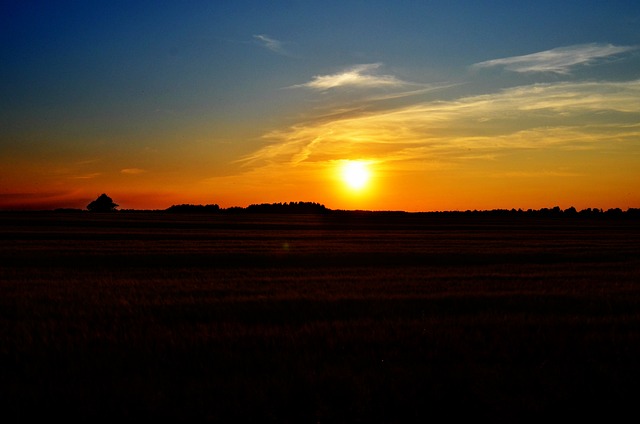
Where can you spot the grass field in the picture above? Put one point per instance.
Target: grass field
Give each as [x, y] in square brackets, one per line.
[317, 318]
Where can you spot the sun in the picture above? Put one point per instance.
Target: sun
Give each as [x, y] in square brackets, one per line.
[355, 174]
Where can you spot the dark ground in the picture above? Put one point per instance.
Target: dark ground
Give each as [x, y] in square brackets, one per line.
[318, 318]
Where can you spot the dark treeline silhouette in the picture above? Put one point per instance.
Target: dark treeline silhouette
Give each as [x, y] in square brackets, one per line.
[317, 208]
[194, 208]
[291, 207]
[277, 208]
[558, 212]
[105, 204]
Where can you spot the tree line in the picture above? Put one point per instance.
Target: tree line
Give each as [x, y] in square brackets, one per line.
[275, 208]
[104, 203]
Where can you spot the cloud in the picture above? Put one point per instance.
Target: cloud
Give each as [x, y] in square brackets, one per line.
[41, 200]
[88, 176]
[561, 116]
[559, 60]
[22, 196]
[271, 44]
[356, 76]
[538, 174]
[132, 171]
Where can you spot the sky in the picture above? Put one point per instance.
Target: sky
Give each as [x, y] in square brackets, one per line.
[436, 105]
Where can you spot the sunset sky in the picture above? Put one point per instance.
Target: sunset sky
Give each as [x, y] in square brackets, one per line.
[434, 105]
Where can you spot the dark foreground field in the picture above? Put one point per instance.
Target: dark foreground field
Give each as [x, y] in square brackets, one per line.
[328, 318]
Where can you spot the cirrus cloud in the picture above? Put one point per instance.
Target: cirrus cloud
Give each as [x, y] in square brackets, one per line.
[559, 60]
[566, 116]
[271, 44]
[132, 171]
[356, 76]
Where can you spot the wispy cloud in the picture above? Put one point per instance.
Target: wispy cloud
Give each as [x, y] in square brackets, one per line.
[538, 174]
[87, 176]
[271, 44]
[356, 76]
[565, 116]
[132, 171]
[41, 200]
[559, 60]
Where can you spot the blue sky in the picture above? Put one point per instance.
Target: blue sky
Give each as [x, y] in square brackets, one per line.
[147, 98]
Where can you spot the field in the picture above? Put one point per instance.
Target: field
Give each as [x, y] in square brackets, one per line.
[317, 318]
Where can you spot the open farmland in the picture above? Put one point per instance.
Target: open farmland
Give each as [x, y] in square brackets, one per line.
[343, 317]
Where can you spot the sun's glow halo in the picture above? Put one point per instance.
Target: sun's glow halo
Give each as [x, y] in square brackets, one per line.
[355, 174]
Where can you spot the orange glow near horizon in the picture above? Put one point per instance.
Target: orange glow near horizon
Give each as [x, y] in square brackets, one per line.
[376, 184]
[431, 156]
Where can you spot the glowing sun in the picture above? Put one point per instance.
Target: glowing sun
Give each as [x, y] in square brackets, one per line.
[355, 174]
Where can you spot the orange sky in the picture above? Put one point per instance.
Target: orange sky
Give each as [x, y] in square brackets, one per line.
[234, 110]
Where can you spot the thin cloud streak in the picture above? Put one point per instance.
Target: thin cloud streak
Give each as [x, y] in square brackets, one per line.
[559, 116]
[87, 176]
[132, 171]
[356, 76]
[422, 89]
[559, 60]
[45, 200]
[271, 44]
[538, 174]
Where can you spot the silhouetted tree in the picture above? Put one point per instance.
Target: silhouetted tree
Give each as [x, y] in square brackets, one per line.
[635, 212]
[103, 203]
[614, 212]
